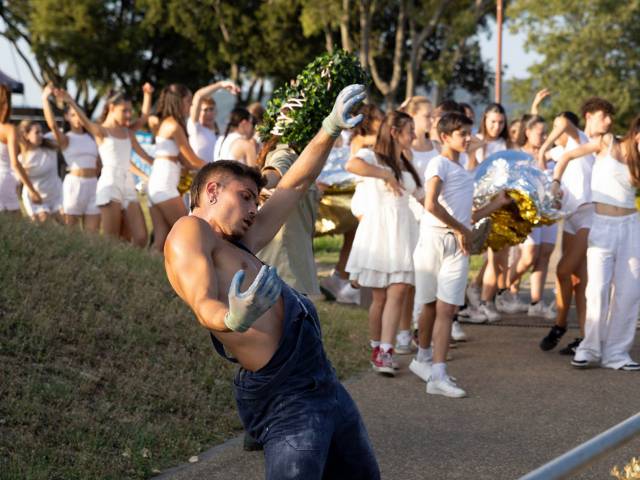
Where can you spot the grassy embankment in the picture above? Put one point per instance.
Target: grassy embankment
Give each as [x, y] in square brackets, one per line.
[104, 373]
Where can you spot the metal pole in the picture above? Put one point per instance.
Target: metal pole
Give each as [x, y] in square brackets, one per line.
[498, 88]
[571, 462]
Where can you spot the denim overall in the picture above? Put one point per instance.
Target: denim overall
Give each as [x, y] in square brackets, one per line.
[296, 407]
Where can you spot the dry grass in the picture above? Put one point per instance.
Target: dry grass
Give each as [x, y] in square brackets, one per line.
[104, 372]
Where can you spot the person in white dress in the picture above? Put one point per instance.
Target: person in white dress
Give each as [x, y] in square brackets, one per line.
[80, 153]
[39, 158]
[381, 255]
[11, 170]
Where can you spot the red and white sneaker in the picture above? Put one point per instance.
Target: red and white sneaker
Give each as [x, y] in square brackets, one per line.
[383, 362]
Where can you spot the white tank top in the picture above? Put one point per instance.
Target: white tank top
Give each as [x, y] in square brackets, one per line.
[82, 151]
[223, 147]
[166, 147]
[5, 161]
[41, 165]
[611, 182]
[115, 152]
[576, 180]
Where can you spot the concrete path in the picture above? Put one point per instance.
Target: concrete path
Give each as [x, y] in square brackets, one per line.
[525, 407]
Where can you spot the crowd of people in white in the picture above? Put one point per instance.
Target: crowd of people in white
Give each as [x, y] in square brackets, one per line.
[413, 202]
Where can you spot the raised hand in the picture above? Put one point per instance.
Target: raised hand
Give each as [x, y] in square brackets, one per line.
[246, 307]
[340, 117]
[229, 87]
[540, 96]
[148, 89]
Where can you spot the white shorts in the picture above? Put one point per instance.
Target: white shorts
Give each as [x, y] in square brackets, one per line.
[441, 268]
[544, 234]
[79, 195]
[8, 192]
[48, 205]
[116, 185]
[580, 219]
[164, 180]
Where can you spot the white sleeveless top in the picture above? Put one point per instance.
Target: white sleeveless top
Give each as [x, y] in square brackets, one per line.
[202, 140]
[166, 147]
[223, 147]
[82, 151]
[41, 165]
[5, 161]
[115, 152]
[611, 182]
[576, 180]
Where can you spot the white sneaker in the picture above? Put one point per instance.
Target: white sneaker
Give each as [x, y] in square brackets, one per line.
[457, 333]
[489, 311]
[421, 369]
[331, 285]
[348, 294]
[541, 310]
[473, 295]
[472, 315]
[404, 346]
[446, 387]
[506, 302]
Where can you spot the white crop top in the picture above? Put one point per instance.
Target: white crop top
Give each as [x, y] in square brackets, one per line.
[82, 151]
[611, 182]
[115, 152]
[166, 147]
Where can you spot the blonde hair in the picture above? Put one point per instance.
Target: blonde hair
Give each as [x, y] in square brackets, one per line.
[412, 104]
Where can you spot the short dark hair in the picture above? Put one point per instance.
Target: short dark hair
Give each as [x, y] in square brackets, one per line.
[449, 106]
[572, 117]
[221, 169]
[597, 104]
[452, 121]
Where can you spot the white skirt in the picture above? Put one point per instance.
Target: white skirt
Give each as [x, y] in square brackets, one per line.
[382, 252]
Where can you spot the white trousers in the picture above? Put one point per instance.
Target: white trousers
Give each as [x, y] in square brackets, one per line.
[613, 290]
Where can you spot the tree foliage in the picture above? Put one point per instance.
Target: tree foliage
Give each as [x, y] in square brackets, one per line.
[98, 44]
[589, 47]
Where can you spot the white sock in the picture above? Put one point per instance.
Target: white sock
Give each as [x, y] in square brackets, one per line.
[439, 371]
[374, 343]
[403, 336]
[385, 347]
[425, 355]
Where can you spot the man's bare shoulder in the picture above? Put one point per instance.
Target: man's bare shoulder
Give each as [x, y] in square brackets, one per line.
[189, 233]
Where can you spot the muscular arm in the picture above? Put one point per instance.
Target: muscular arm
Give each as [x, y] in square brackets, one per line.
[187, 254]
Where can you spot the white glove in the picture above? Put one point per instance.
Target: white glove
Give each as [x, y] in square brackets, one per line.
[246, 307]
[340, 116]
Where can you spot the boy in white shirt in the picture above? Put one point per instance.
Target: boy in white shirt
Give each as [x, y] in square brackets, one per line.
[441, 258]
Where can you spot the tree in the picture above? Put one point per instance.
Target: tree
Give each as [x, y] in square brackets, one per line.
[589, 47]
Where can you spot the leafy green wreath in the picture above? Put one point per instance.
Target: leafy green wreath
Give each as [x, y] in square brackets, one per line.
[295, 111]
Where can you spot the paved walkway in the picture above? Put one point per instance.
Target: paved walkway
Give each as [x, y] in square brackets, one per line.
[525, 407]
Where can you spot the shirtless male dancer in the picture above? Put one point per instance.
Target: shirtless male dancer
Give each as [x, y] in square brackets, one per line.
[287, 392]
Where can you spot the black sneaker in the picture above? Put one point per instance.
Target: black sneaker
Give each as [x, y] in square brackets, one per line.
[571, 348]
[582, 364]
[631, 367]
[553, 337]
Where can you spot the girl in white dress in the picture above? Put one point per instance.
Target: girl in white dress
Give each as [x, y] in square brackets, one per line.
[382, 252]
[10, 168]
[40, 161]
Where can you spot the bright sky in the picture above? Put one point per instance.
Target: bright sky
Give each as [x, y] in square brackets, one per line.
[515, 62]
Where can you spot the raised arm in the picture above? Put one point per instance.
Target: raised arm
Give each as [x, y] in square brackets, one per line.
[537, 100]
[145, 111]
[93, 128]
[61, 138]
[305, 170]
[204, 92]
[560, 126]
